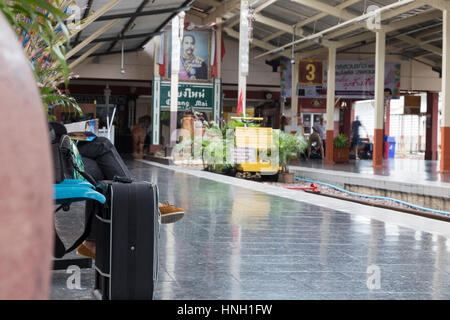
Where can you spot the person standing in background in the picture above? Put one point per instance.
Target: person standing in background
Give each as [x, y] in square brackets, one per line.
[356, 140]
[322, 132]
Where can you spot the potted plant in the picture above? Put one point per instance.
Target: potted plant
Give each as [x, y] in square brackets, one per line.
[289, 147]
[341, 152]
[213, 150]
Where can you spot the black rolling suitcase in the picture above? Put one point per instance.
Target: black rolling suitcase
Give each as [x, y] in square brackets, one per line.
[127, 234]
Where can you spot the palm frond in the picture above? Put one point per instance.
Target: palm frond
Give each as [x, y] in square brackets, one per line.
[40, 27]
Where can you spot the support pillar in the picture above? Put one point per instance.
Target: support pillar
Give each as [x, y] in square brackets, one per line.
[431, 139]
[294, 96]
[219, 48]
[156, 86]
[380, 54]
[330, 104]
[175, 69]
[445, 129]
[243, 55]
[387, 122]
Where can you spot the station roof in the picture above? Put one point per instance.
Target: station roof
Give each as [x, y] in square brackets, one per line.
[135, 22]
[414, 28]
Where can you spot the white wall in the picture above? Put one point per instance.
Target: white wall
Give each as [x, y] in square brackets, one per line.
[259, 72]
[137, 65]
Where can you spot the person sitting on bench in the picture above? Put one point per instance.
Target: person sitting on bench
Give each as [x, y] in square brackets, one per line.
[102, 161]
[314, 139]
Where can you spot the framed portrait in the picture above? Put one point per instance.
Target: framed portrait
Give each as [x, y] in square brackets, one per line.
[195, 56]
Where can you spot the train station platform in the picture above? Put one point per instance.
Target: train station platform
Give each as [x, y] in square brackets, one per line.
[413, 180]
[248, 240]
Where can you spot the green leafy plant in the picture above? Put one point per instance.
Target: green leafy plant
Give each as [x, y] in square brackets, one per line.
[214, 149]
[341, 141]
[289, 147]
[233, 124]
[40, 27]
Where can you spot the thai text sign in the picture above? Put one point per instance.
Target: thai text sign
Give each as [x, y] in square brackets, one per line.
[355, 79]
[196, 95]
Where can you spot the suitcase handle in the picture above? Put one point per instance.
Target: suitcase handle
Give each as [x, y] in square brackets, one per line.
[122, 179]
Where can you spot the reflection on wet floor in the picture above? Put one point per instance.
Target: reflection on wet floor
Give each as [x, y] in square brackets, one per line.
[235, 243]
[408, 170]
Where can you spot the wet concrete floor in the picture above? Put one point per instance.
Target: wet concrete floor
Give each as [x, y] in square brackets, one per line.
[238, 243]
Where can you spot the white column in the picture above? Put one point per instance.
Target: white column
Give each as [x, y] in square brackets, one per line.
[219, 51]
[331, 78]
[175, 69]
[445, 129]
[446, 70]
[380, 54]
[294, 95]
[243, 53]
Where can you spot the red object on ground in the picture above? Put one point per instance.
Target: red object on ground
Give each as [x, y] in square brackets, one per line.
[313, 188]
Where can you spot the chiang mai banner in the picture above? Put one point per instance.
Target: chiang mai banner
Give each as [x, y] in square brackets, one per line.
[354, 79]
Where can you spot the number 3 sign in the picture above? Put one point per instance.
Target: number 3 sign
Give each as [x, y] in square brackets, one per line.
[310, 72]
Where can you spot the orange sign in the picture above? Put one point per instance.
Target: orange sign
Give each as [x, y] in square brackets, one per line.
[310, 72]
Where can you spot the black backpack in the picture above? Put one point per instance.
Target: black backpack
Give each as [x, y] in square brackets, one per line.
[64, 167]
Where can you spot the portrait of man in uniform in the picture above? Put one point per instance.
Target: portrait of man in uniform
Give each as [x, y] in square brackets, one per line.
[194, 55]
[191, 66]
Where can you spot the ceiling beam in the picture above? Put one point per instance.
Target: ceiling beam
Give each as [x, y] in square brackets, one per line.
[140, 14]
[85, 55]
[439, 4]
[128, 37]
[273, 23]
[85, 15]
[221, 11]
[384, 16]
[292, 12]
[330, 10]
[419, 18]
[258, 43]
[420, 35]
[406, 22]
[79, 26]
[104, 53]
[309, 20]
[263, 6]
[198, 13]
[129, 23]
[91, 38]
[162, 25]
[211, 3]
[360, 38]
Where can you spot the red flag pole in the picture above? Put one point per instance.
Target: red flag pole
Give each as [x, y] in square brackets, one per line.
[239, 107]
